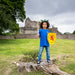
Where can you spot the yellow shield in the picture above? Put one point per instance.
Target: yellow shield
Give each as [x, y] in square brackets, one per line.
[51, 38]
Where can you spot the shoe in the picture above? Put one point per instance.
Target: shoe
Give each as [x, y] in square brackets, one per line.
[38, 63]
[49, 62]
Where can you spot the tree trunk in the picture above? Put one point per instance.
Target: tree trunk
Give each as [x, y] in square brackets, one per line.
[48, 69]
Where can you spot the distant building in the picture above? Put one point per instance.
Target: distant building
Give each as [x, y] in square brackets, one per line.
[31, 27]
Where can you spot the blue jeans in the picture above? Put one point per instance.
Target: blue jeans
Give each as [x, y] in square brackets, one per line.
[47, 52]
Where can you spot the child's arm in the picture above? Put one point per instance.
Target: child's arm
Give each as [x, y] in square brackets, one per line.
[38, 35]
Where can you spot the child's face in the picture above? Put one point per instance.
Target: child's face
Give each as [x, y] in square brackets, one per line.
[44, 25]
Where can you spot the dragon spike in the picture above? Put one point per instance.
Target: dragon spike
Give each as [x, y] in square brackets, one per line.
[44, 20]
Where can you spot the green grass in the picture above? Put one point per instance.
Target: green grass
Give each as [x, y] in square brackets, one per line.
[12, 50]
[69, 68]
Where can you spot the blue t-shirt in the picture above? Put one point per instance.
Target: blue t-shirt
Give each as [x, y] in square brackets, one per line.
[43, 37]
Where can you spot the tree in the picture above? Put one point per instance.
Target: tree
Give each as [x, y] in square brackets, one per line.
[10, 10]
[74, 32]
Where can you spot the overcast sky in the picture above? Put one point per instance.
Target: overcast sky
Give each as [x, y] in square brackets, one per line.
[60, 13]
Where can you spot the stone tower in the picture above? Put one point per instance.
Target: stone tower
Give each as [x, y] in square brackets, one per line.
[29, 28]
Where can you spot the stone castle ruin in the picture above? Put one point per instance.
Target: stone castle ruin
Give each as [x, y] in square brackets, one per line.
[31, 28]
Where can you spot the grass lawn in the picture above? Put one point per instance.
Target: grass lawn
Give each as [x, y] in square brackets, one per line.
[12, 50]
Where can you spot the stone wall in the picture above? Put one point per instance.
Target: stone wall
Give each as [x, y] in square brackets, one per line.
[34, 36]
[6, 37]
[29, 36]
[66, 36]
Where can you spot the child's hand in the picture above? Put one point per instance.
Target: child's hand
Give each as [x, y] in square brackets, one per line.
[38, 35]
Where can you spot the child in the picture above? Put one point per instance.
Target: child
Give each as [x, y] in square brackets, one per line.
[43, 32]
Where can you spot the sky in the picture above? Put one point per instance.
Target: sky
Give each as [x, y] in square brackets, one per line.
[60, 13]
